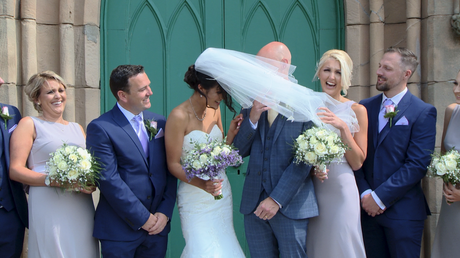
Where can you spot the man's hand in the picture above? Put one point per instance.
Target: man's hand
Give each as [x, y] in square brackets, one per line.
[256, 111]
[162, 220]
[150, 223]
[267, 209]
[370, 206]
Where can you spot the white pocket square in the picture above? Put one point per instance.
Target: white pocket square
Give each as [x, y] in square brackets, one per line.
[402, 121]
[12, 128]
[160, 134]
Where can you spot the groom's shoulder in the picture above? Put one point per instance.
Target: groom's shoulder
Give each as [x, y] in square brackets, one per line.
[151, 115]
[370, 100]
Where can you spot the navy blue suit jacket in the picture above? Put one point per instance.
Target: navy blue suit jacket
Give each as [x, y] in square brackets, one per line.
[290, 184]
[398, 156]
[16, 191]
[131, 185]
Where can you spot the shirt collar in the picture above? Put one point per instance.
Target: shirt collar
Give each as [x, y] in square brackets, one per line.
[128, 114]
[396, 99]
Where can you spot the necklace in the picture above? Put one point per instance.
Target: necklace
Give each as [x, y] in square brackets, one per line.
[199, 119]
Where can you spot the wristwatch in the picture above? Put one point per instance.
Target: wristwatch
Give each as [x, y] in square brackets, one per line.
[47, 181]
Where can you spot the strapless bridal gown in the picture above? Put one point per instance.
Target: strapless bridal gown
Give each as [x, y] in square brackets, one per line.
[207, 224]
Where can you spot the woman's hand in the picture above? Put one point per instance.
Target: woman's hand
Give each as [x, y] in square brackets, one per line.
[88, 189]
[451, 193]
[234, 128]
[328, 117]
[213, 187]
[320, 174]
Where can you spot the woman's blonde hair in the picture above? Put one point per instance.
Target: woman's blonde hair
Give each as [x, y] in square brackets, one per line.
[346, 66]
[35, 83]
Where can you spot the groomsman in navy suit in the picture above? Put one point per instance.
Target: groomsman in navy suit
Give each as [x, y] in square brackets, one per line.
[13, 203]
[138, 193]
[399, 147]
[278, 195]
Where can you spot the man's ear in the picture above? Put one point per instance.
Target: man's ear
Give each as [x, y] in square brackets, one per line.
[407, 74]
[122, 96]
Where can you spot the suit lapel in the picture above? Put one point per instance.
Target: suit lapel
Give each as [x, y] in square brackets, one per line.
[402, 106]
[279, 126]
[263, 122]
[6, 140]
[121, 120]
[374, 111]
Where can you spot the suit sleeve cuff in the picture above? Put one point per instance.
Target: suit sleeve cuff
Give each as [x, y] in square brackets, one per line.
[279, 204]
[254, 126]
[368, 191]
[378, 201]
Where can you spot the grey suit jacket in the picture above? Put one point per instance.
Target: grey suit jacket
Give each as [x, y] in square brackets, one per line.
[289, 184]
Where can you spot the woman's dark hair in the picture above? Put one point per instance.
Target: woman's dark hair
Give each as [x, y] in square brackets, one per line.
[194, 78]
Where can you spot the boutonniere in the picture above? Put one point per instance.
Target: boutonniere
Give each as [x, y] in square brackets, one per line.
[390, 112]
[5, 115]
[151, 126]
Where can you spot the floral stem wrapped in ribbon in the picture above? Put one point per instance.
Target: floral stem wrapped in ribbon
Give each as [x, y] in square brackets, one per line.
[73, 168]
[446, 166]
[318, 146]
[207, 160]
[5, 115]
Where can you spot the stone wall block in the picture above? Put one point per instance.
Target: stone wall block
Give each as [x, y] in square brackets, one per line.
[395, 11]
[92, 55]
[376, 49]
[357, 36]
[8, 51]
[413, 9]
[357, 12]
[27, 106]
[87, 105]
[442, 49]
[358, 93]
[66, 11]
[47, 11]
[377, 11]
[8, 8]
[440, 95]
[48, 48]
[9, 94]
[92, 12]
[29, 49]
[69, 112]
[436, 7]
[67, 50]
[395, 35]
[413, 31]
[29, 9]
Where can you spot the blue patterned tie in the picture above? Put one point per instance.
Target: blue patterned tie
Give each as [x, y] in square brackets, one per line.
[141, 133]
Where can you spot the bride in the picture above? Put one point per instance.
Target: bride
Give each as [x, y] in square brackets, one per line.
[207, 224]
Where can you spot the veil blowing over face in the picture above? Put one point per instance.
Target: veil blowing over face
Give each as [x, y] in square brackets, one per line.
[248, 77]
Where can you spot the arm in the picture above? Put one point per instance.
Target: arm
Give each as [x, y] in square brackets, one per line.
[21, 143]
[174, 138]
[234, 128]
[447, 116]
[114, 189]
[417, 159]
[357, 143]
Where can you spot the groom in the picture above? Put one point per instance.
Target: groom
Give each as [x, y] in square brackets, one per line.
[278, 196]
[137, 191]
[393, 204]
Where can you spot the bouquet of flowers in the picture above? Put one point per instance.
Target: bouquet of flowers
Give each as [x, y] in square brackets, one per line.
[318, 146]
[207, 160]
[446, 166]
[73, 167]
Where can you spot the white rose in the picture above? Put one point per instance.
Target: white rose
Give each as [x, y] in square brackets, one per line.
[440, 169]
[57, 158]
[435, 161]
[72, 175]
[62, 165]
[310, 157]
[84, 154]
[203, 158]
[313, 140]
[451, 156]
[320, 149]
[303, 145]
[334, 149]
[196, 164]
[68, 150]
[330, 139]
[52, 170]
[202, 145]
[85, 164]
[451, 164]
[216, 151]
[73, 158]
[5, 111]
[301, 138]
[225, 150]
[322, 134]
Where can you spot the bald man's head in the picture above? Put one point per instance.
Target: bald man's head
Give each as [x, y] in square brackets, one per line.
[277, 51]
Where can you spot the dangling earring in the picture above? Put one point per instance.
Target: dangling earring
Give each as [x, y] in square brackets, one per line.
[201, 96]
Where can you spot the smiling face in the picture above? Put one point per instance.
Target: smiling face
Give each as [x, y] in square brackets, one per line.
[457, 88]
[52, 98]
[213, 96]
[138, 97]
[391, 76]
[330, 76]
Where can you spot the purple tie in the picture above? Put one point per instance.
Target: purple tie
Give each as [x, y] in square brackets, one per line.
[141, 134]
[382, 120]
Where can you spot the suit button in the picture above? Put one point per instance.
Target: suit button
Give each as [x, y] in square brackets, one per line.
[267, 148]
[148, 197]
[265, 159]
[150, 174]
[265, 181]
[268, 138]
[0, 188]
[258, 173]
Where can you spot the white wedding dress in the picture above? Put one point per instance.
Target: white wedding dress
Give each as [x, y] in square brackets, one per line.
[207, 224]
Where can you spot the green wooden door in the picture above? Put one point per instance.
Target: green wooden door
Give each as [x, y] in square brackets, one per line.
[166, 36]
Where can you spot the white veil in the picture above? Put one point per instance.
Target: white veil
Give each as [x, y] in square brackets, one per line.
[248, 77]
